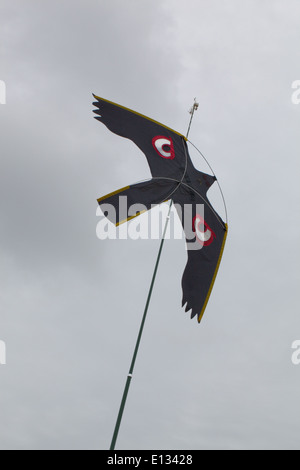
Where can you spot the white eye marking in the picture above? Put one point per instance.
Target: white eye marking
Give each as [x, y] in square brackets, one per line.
[164, 147]
[204, 233]
[159, 144]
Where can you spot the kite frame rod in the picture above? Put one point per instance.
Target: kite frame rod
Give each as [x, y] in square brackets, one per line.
[130, 373]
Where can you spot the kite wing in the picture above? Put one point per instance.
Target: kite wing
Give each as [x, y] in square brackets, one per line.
[205, 238]
[162, 146]
[124, 204]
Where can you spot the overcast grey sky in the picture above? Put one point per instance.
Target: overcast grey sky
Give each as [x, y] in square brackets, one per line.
[71, 304]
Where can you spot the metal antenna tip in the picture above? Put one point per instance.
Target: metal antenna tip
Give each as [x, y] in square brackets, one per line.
[194, 107]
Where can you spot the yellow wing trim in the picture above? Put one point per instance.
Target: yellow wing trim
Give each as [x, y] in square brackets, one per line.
[113, 194]
[139, 114]
[215, 275]
[130, 218]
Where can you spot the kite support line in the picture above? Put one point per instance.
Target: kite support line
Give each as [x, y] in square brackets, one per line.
[211, 169]
[130, 373]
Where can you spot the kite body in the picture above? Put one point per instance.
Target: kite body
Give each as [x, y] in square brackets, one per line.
[173, 177]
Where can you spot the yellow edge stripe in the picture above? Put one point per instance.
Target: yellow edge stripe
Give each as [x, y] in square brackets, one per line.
[215, 275]
[113, 193]
[130, 218]
[141, 115]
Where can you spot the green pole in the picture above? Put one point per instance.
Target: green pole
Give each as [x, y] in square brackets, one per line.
[129, 376]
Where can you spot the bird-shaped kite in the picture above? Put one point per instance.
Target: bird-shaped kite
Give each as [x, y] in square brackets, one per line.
[173, 178]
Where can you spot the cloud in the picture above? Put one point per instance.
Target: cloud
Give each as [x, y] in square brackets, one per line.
[71, 304]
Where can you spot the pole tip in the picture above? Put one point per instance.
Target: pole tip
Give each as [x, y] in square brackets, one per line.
[194, 107]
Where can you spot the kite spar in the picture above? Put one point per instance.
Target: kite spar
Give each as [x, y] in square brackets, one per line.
[174, 178]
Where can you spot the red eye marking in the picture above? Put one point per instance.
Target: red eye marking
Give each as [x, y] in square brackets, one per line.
[204, 233]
